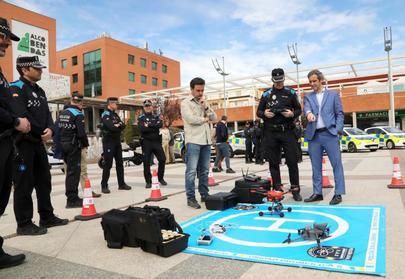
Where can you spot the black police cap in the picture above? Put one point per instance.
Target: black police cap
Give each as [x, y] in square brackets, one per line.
[5, 29]
[277, 75]
[77, 97]
[112, 99]
[147, 103]
[29, 61]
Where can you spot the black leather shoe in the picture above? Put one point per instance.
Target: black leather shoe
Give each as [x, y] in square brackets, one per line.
[163, 182]
[314, 198]
[31, 229]
[148, 185]
[216, 170]
[230, 170]
[124, 187]
[53, 222]
[204, 197]
[7, 260]
[297, 196]
[105, 190]
[75, 204]
[336, 200]
[193, 203]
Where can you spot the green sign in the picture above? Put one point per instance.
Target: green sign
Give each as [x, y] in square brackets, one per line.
[378, 114]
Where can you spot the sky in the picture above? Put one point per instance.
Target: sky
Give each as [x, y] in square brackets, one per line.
[251, 35]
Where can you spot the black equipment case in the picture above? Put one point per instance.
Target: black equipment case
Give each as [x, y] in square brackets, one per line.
[221, 201]
[118, 229]
[251, 191]
[153, 239]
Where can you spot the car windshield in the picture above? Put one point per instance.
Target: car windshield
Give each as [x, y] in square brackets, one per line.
[355, 132]
[393, 130]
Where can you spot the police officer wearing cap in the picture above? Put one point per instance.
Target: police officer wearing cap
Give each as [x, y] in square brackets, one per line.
[248, 142]
[112, 149]
[8, 123]
[149, 124]
[31, 167]
[279, 107]
[73, 139]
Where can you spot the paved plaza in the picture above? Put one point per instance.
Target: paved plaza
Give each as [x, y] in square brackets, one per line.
[79, 250]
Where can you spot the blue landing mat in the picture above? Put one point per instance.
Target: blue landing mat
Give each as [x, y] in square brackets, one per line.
[356, 243]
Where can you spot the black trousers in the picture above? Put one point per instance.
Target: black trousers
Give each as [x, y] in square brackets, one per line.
[273, 142]
[6, 157]
[248, 150]
[32, 172]
[259, 150]
[72, 158]
[112, 150]
[149, 148]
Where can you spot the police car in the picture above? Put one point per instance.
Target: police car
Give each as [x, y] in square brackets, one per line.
[389, 137]
[354, 139]
[53, 162]
[179, 147]
[237, 143]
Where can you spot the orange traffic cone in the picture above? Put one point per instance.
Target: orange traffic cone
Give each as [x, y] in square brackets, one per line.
[269, 179]
[211, 179]
[325, 178]
[155, 194]
[88, 209]
[397, 180]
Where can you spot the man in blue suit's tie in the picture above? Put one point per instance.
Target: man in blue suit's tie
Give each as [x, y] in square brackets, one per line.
[324, 112]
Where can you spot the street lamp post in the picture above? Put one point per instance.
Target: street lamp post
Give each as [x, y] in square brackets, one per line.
[388, 48]
[293, 51]
[222, 72]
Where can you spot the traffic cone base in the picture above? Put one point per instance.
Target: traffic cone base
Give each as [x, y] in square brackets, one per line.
[325, 178]
[397, 181]
[211, 179]
[88, 209]
[155, 194]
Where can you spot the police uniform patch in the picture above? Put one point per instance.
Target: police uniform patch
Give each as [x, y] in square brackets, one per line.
[274, 97]
[34, 94]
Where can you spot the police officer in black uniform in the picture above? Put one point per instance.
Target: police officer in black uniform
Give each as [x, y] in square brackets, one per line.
[149, 124]
[8, 123]
[257, 136]
[248, 142]
[73, 138]
[31, 167]
[279, 107]
[112, 149]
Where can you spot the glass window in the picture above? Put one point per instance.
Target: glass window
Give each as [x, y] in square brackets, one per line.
[144, 79]
[143, 62]
[75, 78]
[154, 65]
[131, 59]
[63, 63]
[131, 92]
[131, 76]
[164, 68]
[154, 81]
[74, 60]
[92, 73]
[164, 83]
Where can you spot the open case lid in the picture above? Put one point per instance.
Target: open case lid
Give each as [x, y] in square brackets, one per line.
[147, 227]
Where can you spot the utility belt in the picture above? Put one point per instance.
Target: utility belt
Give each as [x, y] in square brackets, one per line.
[280, 127]
[29, 138]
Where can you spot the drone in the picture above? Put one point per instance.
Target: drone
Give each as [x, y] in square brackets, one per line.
[316, 232]
[275, 197]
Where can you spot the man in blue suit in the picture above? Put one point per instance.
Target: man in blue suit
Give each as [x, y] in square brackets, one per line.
[324, 112]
